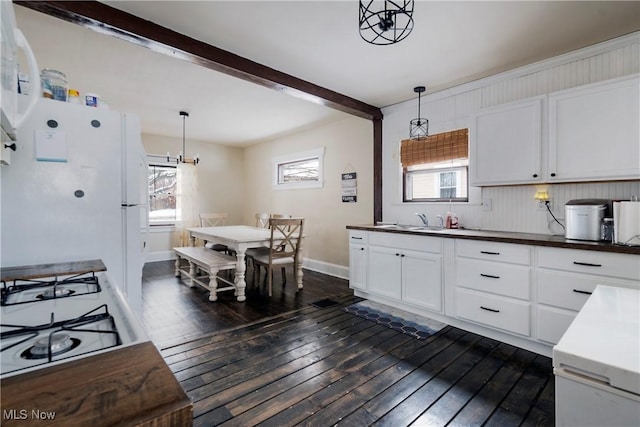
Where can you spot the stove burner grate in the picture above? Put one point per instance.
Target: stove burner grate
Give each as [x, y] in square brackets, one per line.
[80, 284]
[56, 342]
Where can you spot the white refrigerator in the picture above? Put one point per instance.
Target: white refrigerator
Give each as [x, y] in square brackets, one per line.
[76, 189]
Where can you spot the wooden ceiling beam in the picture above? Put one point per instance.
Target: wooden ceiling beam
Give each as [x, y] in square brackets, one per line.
[108, 20]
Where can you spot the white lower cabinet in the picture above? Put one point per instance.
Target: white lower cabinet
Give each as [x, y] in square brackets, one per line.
[422, 279]
[406, 273]
[526, 295]
[493, 285]
[385, 272]
[358, 257]
[566, 278]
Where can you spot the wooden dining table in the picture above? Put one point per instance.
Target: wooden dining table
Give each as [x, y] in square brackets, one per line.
[240, 238]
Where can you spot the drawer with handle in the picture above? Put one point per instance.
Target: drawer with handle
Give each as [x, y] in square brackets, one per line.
[358, 237]
[493, 251]
[625, 266]
[498, 312]
[494, 277]
[571, 290]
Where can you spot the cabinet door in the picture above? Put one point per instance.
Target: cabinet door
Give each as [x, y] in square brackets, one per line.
[384, 272]
[594, 132]
[5, 149]
[506, 144]
[358, 267]
[422, 279]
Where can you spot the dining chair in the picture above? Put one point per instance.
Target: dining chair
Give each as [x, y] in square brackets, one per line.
[283, 250]
[262, 220]
[214, 220]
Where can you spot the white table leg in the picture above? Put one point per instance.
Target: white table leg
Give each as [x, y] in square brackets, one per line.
[299, 264]
[241, 269]
[192, 239]
[177, 272]
[213, 284]
[192, 274]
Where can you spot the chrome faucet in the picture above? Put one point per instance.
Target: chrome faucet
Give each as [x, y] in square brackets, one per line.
[423, 217]
[441, 221]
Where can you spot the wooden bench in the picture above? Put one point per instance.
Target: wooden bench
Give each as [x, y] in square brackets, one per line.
[208, 261]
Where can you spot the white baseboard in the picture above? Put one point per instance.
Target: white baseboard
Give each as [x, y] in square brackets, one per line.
[326, 268]
[335, 270]
[159, 256]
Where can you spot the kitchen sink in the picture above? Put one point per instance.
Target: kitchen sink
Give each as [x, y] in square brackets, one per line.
[408, 227]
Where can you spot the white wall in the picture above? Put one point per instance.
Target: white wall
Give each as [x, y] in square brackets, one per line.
[513, 207]
[220, 181]
[348, 148]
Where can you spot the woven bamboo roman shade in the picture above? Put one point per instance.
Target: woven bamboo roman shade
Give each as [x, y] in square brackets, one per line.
[435, 148]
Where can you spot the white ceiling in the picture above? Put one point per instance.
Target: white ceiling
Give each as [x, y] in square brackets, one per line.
[453, 42]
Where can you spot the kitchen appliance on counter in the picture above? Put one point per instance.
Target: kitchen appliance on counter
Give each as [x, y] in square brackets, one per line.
[47, 321]
[77, 189]
[597, 362]
[584, 218]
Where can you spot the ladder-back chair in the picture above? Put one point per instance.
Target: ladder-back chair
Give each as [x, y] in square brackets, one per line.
[283, 250]
[214, 220]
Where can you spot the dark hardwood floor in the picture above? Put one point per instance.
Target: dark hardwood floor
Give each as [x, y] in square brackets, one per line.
[280, 361]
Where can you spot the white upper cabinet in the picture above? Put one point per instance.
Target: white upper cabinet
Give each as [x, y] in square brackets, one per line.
[594, 132]
[506, 144]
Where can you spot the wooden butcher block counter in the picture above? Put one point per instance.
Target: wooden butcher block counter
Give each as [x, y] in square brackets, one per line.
[131, 386]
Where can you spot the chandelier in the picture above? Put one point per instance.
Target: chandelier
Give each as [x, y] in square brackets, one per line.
[385, 22]
[182, 157]
[419, 128]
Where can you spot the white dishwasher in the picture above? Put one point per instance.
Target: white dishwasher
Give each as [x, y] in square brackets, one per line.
[597, 362]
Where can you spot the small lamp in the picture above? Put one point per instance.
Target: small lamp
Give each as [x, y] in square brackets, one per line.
[541, 196]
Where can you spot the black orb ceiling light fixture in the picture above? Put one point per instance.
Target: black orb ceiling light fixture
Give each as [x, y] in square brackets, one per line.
[385, 22]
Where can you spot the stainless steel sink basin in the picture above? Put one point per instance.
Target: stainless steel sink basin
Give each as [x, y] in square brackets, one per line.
[409, 227]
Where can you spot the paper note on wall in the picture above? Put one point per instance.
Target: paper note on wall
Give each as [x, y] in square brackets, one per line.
[349, 187]
[51, 146]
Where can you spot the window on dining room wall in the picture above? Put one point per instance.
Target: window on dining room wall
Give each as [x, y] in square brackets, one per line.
[163, 181]
[299, 170]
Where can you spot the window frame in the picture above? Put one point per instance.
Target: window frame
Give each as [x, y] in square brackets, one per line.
[406, 186]
[163, 223]
[279, 161]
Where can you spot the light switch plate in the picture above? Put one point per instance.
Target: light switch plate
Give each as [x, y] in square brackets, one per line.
[542, 205]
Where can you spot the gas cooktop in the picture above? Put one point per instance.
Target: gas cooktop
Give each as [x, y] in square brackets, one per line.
[48, 321]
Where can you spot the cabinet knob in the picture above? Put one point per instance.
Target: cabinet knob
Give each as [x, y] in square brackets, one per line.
[535, 175]
[397, 254]
[362, 249]
[553, 174]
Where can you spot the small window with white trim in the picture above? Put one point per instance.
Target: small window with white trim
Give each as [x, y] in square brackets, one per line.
[299, 170]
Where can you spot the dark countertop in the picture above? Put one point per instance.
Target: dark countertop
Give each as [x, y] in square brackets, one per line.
[508, 237]
[131, 386]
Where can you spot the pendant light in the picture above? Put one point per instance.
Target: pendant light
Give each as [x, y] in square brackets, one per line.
[419, 128]
[182, 157]
[385, 22]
